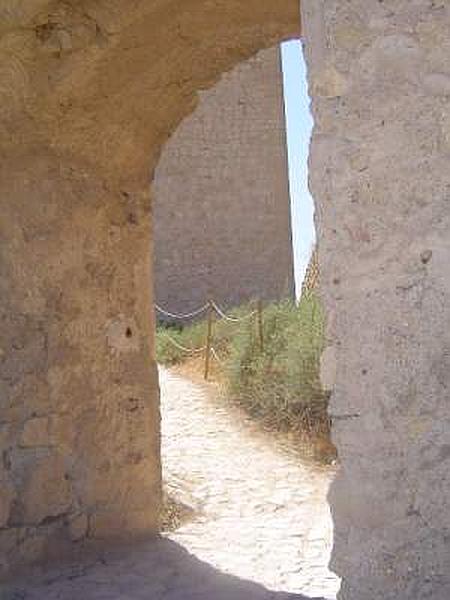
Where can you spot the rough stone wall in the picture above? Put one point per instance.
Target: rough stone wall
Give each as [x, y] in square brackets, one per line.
[89, 92]
[78, 434]
[379, 77]
[221, 200]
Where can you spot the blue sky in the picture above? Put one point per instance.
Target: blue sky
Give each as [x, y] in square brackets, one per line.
[298, 125]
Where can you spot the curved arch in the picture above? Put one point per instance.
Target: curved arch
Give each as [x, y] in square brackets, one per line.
[110, 83]
[92, 90]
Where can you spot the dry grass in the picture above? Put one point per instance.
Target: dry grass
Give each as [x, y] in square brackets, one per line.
[174, 513]
[279, 386]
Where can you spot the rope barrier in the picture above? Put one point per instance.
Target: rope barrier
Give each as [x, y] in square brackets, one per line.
[208, 349]
[222, 314]
[214, 353]
[201, 310]
[183, 348]
[190, 315]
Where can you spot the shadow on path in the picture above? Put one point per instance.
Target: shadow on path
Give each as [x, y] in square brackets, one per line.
[161, 569]
[263, 512]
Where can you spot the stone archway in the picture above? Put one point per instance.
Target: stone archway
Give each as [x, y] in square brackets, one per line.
[89, 93]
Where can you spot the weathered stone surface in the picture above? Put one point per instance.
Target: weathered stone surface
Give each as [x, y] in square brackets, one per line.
[62, 431]
[328, 368]
[6, 498]
[114, 524]
[46, 491]
[35, 433]
[89, 93]
[78, 527]
[328, 83]
[379, 179]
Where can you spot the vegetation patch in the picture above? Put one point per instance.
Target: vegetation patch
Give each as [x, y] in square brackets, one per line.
[276, 382]
[174, 513]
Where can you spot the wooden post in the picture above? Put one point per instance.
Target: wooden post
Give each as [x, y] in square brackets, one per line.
[209, 339]
[260, 326]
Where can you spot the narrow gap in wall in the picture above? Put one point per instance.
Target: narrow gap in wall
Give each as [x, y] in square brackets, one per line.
[299, 124]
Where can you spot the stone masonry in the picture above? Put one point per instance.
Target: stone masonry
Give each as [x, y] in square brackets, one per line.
[221, 209]
[379, 75]
[89, 94]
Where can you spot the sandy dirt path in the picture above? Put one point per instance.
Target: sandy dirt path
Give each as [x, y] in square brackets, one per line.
[263, 514]
[262, 528]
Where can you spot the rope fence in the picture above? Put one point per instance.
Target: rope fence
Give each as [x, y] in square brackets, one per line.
[186, 316]
[212, 308]
[183, 348]
[223, 315]
[216, 357]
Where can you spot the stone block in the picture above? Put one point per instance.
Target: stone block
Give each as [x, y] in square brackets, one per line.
[329, 83]
[328, 368]
[78, 527]
[46, 490]
[62, 430]
[7, 495]
[35, 433]
[111, 524]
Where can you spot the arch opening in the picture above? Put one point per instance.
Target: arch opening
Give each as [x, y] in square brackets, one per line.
[89, 93]
[80, 421]
[224, 205]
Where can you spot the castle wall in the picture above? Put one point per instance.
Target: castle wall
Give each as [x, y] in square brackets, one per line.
[221, 200]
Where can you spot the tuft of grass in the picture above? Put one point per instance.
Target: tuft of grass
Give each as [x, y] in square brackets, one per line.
[192, 336]
[174, 513]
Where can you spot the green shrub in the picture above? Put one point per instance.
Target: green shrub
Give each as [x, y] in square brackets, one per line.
[167, 335]
[279, 383]
[193, 336]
